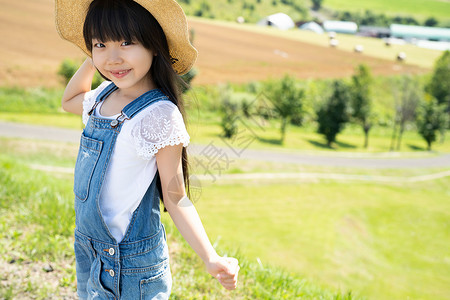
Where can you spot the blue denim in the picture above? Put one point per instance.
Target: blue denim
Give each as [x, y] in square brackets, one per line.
[138, 266]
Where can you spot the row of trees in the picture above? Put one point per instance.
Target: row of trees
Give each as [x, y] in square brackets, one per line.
[369, 18]
[352, 102]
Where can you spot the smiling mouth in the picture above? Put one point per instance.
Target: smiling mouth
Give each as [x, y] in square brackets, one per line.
[121, 73]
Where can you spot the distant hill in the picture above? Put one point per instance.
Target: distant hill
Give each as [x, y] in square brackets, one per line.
[226, 52]
[254, 10]
[251, 10]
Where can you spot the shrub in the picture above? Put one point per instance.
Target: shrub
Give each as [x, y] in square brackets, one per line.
[229, 110]
[68, 68]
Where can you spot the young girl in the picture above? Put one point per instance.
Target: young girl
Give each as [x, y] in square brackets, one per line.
[132, 148]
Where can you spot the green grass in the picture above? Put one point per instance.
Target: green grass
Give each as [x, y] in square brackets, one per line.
[63, 120]
[36, 227]
[230, 10]
[421, 9]
[307, 140]
[55, 154]
[204, 119]
[303, 139]
[382, 241]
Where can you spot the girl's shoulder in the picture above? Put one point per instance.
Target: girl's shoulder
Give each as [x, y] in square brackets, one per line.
[158, 125]
[93, 94]
[90, 97]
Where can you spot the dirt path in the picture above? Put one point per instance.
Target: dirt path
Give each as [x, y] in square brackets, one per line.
[375, 161]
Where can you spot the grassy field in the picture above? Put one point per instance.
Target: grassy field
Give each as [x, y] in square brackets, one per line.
[421, 9]
[41, 106]
[382, 241]
[298, 139]
[311, 237]
[230, 10]
[36, 227]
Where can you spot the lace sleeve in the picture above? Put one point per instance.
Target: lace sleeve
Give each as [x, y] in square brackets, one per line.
[89, 100]
[162, 125]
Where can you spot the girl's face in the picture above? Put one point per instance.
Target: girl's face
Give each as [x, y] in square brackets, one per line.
[127, 64]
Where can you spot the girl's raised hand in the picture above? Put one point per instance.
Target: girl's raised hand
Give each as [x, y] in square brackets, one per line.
[225, 270]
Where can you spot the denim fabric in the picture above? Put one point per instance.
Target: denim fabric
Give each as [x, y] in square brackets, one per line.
[138, 266]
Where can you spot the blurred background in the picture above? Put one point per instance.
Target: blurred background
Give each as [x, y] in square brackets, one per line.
[320, 149]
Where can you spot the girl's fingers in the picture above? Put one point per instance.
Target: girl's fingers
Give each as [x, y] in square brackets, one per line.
[233, 265]
[228, 282]
[229, 286]
[226, 276]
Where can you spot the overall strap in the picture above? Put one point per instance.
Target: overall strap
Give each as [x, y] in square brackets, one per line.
[143, 101]
[106, 92]
[103, 95]
[132, 108]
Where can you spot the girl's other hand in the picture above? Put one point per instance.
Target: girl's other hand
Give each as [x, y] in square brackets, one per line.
[225, 270]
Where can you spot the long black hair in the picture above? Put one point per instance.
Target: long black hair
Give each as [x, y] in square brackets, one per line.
[126, 20]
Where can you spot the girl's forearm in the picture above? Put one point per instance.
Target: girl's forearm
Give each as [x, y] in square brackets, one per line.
[79, 84]
[188, 222]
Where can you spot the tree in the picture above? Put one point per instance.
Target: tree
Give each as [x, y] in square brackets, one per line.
[332, 115]
[431, 22]
[229, 111]
[317, 4]
[361, 102]
[286, 98]
[407, 97]
[439, 85]
[431, 118]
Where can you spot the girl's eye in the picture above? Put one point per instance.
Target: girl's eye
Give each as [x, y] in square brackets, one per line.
[127, 43]
[99, 45]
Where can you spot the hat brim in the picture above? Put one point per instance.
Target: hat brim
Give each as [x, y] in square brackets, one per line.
[70, 16]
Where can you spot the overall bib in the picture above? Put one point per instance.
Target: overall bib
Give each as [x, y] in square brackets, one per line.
[138, 266]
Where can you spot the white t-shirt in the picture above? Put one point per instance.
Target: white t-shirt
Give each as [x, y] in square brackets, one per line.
[133, 163]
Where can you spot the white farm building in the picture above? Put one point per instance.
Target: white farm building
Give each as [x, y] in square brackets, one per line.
[312, 26]
[408, 32]
[340, 26]
[279, 20]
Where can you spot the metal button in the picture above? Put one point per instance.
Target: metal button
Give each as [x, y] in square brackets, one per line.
[114, 123]
[111, 273]
[111, 251]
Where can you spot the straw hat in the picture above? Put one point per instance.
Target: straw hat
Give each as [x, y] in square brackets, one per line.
[70, 17]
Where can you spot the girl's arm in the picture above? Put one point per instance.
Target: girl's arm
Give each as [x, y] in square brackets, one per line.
[186, 218]
[79, 84]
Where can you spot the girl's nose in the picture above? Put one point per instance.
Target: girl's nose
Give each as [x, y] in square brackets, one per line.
[114, 56]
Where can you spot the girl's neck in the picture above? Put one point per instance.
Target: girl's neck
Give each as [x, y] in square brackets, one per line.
[137, 90]
[115, 102]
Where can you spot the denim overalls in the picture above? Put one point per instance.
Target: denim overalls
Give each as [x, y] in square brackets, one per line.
[138, 266]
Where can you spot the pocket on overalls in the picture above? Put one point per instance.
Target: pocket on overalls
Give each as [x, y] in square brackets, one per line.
[84, 256]
[159, 285]
[88, 155]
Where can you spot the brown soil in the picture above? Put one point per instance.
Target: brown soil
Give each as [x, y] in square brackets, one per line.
[32, 52]
[240, 56]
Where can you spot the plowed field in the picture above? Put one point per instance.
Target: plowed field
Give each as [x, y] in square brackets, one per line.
[32, 51]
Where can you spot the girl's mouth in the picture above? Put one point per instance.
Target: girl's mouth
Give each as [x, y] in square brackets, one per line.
[121, 73]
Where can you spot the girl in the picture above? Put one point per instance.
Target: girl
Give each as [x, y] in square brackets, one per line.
[132, 148]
